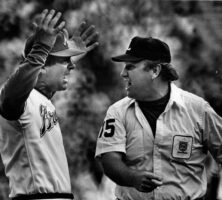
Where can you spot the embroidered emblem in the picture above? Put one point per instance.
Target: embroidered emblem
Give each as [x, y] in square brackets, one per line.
[49, 120]
[182, 146]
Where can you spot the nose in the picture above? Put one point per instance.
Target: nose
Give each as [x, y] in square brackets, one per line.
[124, 73]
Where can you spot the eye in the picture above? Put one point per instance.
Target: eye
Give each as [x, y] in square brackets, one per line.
[71, 66]
[130, 67]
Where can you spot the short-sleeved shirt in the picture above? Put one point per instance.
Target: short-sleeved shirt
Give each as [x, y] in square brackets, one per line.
[185, 131]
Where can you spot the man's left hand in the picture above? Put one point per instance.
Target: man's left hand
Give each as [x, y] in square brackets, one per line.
[85, 39]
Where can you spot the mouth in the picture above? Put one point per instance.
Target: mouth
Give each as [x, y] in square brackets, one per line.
[65, 79]
[128, 84]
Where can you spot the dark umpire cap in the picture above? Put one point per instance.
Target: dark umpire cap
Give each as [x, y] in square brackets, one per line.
[145, 48]
[63, 47]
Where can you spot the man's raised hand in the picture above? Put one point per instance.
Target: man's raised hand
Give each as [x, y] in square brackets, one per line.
[48, 27]
[85, 39]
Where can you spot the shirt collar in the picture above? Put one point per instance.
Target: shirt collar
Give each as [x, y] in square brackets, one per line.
[175, 96]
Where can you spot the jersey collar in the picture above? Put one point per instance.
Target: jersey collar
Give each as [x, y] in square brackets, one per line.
[175, 96]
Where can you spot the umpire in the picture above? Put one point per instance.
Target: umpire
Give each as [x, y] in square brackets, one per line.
[153, 143]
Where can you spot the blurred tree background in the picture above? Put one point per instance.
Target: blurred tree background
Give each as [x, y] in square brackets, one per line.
[191, 28]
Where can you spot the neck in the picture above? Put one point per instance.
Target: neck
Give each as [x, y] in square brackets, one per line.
[162, 90]
[42, 88]
[159, 90]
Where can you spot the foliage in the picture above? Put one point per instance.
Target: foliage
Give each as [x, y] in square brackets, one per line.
[96, 84]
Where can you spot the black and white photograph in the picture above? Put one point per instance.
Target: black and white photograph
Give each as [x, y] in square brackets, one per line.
[110, 99]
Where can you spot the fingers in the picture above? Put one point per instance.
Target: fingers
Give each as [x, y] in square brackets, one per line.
[147, 181]
[147, 188]
[148, 185]
[81, 28]
[54, 20]
[87, 32]
[48, 27]
[153, 176]
[61, 26]
[92, 38]
[65, 32]
[42, 17]
[85, 37]
[91, 47]
[152, 182]
[79, 31]
[48, 18]
[156, 182]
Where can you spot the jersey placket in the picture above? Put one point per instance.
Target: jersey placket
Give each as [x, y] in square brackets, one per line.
[148, 133]
[143, 121]
[157, 163]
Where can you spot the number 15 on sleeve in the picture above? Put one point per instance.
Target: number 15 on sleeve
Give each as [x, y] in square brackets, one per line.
[108, 128]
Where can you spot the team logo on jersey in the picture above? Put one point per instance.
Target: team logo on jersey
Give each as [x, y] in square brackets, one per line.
[182, 146]
[49, 120]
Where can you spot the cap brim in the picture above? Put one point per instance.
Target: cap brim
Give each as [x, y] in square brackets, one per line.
[126, 58]
[67, 53]
[71, 50]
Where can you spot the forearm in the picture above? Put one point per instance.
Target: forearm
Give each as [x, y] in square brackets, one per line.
[19, 85]
[118, 171]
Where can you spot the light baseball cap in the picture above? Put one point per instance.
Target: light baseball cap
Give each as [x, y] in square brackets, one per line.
[63, 47]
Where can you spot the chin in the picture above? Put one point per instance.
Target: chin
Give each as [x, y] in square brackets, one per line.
[129, 95]
[63, 87]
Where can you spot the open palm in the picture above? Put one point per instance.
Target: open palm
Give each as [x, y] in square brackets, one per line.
[84, 39]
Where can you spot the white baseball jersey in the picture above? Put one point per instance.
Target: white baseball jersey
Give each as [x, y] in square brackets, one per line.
[31, 143]
[32, 150]
[185, 131]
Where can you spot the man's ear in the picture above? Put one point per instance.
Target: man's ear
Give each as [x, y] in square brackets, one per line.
[156, 71]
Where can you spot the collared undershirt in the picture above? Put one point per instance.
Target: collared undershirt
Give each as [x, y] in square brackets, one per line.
[153, 109]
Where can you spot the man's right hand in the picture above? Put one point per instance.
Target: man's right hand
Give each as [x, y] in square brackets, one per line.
[47, 27]
[116, 169]
[145, 181]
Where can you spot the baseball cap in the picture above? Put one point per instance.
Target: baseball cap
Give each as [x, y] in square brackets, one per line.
[145, 48]
[63, 47]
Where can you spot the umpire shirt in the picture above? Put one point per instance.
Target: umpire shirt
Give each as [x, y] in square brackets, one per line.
[186, 130]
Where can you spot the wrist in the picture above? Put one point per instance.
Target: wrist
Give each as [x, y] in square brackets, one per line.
[132, 174]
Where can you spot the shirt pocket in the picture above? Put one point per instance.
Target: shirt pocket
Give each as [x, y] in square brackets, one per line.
[177, 147]
[135, 146]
